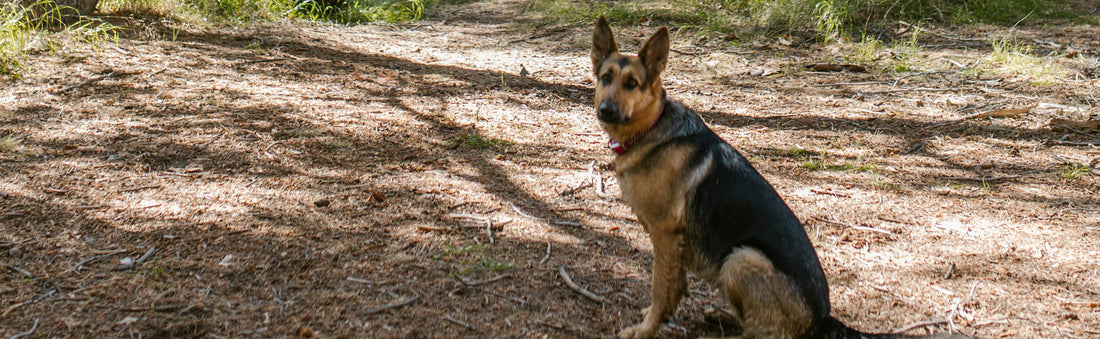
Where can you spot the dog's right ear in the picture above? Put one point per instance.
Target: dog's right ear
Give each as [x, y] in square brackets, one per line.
[603, 44]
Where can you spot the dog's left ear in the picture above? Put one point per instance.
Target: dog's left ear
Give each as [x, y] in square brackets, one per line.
[654, 53]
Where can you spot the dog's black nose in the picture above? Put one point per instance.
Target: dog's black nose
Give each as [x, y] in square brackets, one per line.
[608, 111]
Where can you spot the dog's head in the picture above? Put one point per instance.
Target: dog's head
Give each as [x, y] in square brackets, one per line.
[628, 87]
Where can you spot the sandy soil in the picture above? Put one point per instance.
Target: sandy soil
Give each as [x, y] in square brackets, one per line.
[334, 181]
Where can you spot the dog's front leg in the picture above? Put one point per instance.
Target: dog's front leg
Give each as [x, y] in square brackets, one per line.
[669, 281]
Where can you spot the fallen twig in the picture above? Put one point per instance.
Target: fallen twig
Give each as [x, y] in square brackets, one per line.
[578, 289]
[262, 61]
[918, 325]
[983, 179]
[489, 229]
[214, 236]
[987, 322]
[574, 190]
[460, 323]
[565, 223]
[87, 82]
[431, 228]
[93, 258]
[941, 36]
[1074, 143]
[392, 306]
[19, 270]
[145, 256]
[483, 282]
[138, 188]
[861, 228]
[914, 89]
[13, 307]
[543, 323]
[28, 332]
[547, 256]
[524, 214]
[1001, 113]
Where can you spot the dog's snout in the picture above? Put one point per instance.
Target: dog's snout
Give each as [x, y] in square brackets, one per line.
[608, 111]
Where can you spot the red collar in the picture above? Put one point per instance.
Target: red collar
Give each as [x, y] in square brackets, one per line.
[620, 148]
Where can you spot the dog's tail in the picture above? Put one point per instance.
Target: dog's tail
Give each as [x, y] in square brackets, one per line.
[831, 328]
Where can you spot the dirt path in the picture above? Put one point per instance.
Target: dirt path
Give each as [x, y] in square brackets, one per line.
[337, 181]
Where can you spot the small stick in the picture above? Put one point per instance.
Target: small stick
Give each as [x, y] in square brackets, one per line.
[920, 89]
[987, 322]
[565, 223]
[983, 179]
[392, 306]
[363, 281]
[20, 270]
[524, 214]
[138, 188]
[578, 289]
[489, 229]
[460, 323]
[94, 258]
[218, 235]
[464, 216]
[145, 256]
[919, 325]
[483, 282]
[86, 83]
[518, 300]
[13, 307]
[543, 323]
[431, 228]
[574, 190]
[547, 256]
[28, 332]
[1074, 143]
[830, 193]
[861, 228]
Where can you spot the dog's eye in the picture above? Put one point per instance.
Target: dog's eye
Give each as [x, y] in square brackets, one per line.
[606, 78]
[630, 84]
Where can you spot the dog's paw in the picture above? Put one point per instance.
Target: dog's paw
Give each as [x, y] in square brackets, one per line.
[639, 331]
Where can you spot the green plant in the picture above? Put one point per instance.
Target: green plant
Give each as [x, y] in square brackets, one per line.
[829, 17]
[27, 29]
[866, 51]
[1011, 57]
[794, 153]
[829, 20]
[8, 144]
[476, 140]
[1074, 171]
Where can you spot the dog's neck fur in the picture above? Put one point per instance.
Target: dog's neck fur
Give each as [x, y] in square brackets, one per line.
[642, 119]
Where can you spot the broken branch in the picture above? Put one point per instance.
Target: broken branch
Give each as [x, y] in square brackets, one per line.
[392, 306]
[578, 289]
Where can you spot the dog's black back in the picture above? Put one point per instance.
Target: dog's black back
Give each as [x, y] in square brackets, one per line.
[734, 206]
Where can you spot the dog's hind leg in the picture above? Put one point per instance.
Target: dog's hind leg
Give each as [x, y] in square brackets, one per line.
[768, 301]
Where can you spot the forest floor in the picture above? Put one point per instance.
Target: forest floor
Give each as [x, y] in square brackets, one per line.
[434, 179]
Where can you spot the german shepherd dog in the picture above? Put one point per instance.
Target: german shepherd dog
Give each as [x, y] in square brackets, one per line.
[705, 208]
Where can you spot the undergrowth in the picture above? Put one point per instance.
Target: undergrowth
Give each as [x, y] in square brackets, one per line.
[239, 12]
[36, 28]
[827, 19]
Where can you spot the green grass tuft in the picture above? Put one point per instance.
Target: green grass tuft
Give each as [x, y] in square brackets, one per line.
[472, 139]
[1074, 171]
[31, 29]
[8, 144]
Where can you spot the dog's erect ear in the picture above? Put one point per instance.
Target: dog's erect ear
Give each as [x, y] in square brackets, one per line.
[654, 53]
[603, 44]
